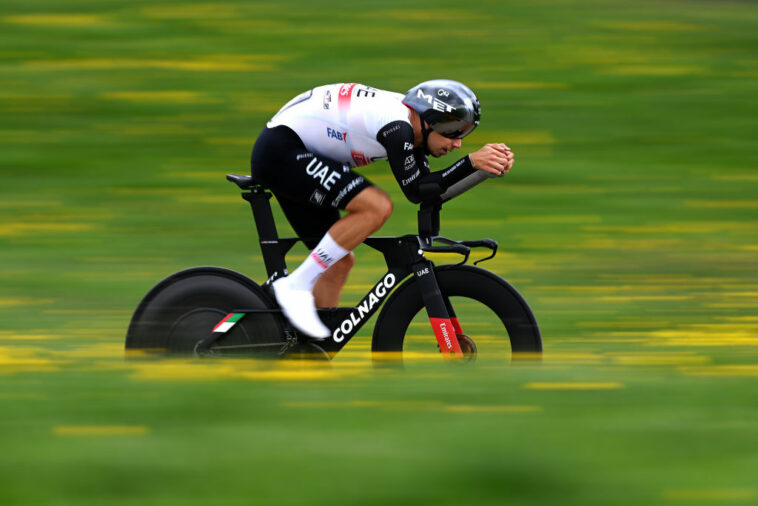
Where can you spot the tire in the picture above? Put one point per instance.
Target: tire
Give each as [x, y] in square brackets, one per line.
[491, 312]
[183, 309]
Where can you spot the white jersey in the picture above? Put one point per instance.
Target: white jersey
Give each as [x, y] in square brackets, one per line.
[341, 121]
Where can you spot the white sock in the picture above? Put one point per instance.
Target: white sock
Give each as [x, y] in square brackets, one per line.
[323, 256]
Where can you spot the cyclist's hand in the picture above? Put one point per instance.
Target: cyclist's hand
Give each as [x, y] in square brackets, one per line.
[496, 159]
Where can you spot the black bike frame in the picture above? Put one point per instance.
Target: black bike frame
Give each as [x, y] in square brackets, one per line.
[403, 255]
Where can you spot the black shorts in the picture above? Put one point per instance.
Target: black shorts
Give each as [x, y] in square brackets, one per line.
[310, 188]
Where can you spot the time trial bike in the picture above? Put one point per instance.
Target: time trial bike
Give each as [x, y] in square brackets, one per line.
[213, 311]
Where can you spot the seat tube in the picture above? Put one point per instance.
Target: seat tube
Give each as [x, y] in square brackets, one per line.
[273, 258]
[437, 309]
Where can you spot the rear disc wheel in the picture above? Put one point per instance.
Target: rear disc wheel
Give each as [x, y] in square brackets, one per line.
[185, 307]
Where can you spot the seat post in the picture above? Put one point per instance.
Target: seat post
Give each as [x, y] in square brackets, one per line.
[273, 256]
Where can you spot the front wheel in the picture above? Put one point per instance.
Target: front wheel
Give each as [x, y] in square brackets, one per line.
[492, 314]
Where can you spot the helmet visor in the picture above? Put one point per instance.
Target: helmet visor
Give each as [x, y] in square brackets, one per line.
[457, 129]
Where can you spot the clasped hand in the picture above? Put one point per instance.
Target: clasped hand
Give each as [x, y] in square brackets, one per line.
[496, 159]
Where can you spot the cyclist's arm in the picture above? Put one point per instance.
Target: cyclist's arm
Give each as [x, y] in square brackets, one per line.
[410, 166]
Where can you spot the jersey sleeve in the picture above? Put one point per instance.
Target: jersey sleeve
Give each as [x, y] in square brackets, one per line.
[411, 167]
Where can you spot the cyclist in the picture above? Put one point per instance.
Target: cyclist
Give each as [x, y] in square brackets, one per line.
[306, 155]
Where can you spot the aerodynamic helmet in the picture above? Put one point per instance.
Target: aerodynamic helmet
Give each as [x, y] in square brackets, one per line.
[449, 107]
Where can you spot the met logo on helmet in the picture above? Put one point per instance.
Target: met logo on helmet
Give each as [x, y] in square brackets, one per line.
[436, 103]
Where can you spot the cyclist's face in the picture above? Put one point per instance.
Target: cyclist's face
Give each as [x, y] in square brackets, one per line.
[440, 145]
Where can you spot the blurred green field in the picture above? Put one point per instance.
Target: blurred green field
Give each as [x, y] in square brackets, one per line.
[628, 223]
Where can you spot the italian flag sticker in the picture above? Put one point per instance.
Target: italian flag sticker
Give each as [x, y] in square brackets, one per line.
[228, 322]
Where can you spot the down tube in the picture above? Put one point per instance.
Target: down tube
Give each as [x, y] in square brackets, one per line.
[345, 329]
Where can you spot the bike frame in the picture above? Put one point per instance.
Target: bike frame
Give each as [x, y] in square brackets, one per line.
[404, 256]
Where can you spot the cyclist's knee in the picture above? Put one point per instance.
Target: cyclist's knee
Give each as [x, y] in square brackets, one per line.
[384, 209]
[374, 204]
[380, 212]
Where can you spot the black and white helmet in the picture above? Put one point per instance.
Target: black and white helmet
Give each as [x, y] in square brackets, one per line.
[449, 107]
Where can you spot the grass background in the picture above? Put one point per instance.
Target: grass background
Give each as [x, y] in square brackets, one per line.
[628, 223]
